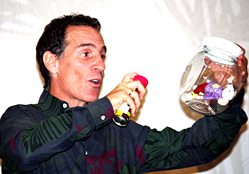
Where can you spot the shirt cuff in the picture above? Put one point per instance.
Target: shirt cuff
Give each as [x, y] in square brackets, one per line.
[101, 111]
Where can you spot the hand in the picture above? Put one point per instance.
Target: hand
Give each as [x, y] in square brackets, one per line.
[221, 75]
[242, 64]
[124, 92]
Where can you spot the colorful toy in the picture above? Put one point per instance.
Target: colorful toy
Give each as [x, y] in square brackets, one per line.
[213, 90]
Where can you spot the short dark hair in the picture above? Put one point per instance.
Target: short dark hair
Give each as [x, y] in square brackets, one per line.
[53, 38]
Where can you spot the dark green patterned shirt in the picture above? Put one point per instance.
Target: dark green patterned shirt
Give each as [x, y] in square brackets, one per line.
[49, 137]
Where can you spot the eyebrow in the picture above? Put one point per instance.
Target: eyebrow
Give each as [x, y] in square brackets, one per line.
[92, 45]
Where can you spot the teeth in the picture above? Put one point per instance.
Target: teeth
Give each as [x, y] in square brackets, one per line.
[95, 81]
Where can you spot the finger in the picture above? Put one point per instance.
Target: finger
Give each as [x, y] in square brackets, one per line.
[133, 101]
[141, 90]
[136, 100]
[242, 62]
[129, 77]
[132, 105]
[244, 75]
[129, 91]
[137, 85]
[243, 49]
[207, 60]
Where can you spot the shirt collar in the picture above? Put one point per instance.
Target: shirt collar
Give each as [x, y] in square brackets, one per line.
[51, 105]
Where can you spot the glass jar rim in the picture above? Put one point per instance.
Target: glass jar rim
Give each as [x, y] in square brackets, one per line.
[221, 44]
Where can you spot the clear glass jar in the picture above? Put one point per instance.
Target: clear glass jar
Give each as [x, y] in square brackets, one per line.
[212, 78]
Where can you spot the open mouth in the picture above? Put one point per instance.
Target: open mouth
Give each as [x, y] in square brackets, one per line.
[96, 82]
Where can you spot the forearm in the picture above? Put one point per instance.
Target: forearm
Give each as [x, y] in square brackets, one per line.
[29, 142]
[202, 143]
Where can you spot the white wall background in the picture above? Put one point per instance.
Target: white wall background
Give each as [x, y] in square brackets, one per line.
[156, 38]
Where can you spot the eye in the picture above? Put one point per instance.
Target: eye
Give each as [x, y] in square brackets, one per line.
[103, 56]
[85, 54]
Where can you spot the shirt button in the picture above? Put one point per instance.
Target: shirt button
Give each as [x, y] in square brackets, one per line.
[102, 117]
[64, 105]
[86, 153]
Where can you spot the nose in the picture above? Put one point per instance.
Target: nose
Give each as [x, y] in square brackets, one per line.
[99, 64]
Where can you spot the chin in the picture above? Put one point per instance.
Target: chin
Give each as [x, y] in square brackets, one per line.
[92, 99]
[90, 96]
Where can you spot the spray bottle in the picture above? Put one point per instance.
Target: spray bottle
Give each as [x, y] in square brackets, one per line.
[122, 115]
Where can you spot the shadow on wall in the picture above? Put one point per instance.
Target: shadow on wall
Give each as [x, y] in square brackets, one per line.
[198, 19]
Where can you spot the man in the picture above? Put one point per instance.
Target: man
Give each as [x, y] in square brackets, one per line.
[70, 130]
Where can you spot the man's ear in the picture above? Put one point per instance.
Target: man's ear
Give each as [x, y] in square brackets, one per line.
[50, 61]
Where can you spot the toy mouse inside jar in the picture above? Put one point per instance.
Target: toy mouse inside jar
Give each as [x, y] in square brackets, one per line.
[212, 78]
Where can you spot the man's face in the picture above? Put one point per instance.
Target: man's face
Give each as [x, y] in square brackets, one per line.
[81, 67]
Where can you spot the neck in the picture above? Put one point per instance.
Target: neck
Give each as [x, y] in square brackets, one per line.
[60, 94]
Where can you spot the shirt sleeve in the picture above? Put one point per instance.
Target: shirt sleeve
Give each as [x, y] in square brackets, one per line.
[203, 142]
[28, 141]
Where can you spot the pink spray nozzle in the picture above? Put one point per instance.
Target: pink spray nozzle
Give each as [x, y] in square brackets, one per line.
[142, 79]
